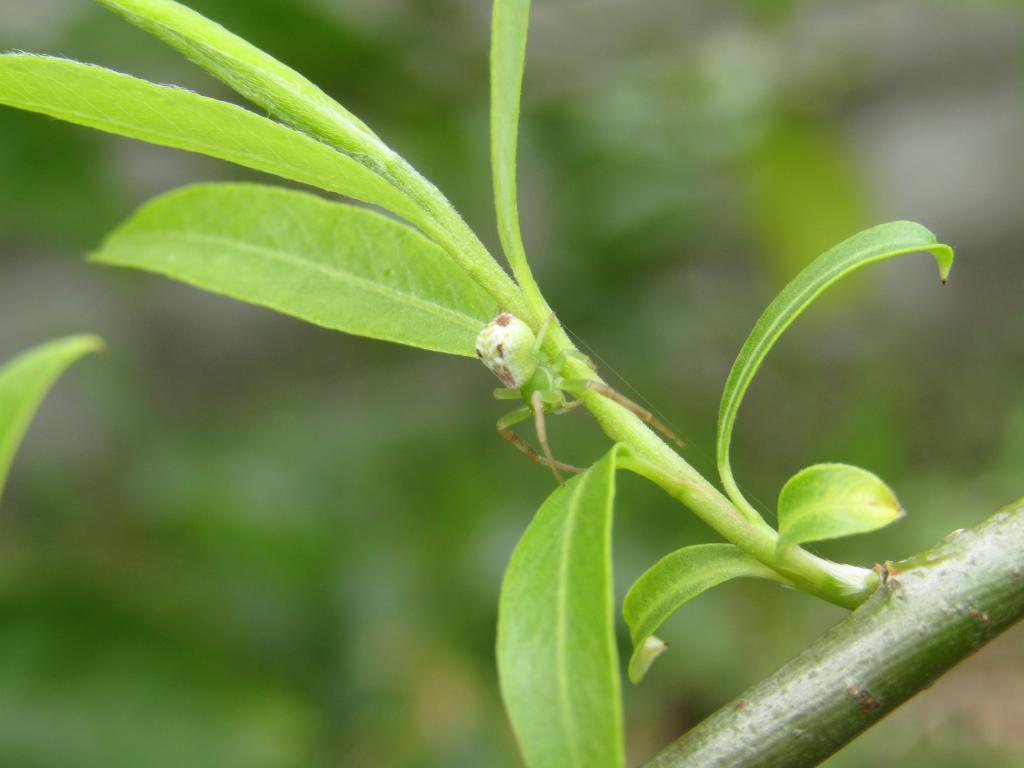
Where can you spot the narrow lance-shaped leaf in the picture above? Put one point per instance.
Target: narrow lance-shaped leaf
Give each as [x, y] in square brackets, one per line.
[335, 265]
[876, 244]
[557, 659]
[829, 501]
[508, 58]
[673, 581]
[296, 101]
[259, 77]
[173, 117]
[24, 382]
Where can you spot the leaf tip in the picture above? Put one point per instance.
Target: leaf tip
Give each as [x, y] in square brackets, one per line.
[95, 257]
[644, 655]
[94, 343]
[84, 344]
[944, 255]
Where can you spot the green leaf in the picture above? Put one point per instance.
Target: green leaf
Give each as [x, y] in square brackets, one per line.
[673, 581]
[508, 59]
[876, 244]
[557, 658]
[259, 77]
[24, 382]
[298, 102]
[829, 501]
[335, 265]
[109, 101]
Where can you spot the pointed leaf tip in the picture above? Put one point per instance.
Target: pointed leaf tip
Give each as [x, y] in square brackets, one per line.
[24, 382]
[644, 656]
[878, 243]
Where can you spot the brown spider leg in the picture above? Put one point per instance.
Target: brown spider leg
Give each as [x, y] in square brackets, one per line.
[641, 413]
[537, 403]
[505, 431]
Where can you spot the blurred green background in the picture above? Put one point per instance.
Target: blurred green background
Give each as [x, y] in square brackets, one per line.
[237, 540]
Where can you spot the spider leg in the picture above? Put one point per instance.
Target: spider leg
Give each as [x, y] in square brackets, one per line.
[502, 393]
[505, 424]
[577, 385]
[537, 401]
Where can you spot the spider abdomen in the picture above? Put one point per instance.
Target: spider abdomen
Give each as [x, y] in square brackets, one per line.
[506, 347]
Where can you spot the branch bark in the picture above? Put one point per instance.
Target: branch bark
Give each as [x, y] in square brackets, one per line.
[932, 611]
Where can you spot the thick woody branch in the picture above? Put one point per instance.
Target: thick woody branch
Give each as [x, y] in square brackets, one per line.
[932, 611]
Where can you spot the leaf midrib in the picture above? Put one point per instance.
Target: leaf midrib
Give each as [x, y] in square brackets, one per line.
[466, 321]
[561, 655]
[175, 141]
[806, 509]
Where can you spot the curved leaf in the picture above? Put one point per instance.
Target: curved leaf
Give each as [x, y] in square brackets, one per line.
[876, 244]
[259, 77]
[24, 382]
[829, 501]
[508, 59]
[673, 581]
[557, 659]
[294, 100]
[173, 117]
[334, 265]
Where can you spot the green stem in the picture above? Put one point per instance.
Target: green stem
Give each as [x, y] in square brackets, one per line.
[840, 584]
[843, 585]
[936, 609]
[455, 236]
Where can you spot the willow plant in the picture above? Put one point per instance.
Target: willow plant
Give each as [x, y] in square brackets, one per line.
[413, 272]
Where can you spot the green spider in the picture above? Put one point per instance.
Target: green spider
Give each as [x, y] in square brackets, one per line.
[512, 352]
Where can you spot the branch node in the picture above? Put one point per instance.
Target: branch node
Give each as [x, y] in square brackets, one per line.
[887, 573]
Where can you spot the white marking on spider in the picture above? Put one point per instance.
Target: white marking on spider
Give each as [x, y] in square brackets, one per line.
[512, 352]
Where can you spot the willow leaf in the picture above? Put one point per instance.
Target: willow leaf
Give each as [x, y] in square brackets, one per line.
[334, 265]
[99, 98]
[673, 581]
[24, 382]
[829, 501]
[293, 99]
[259, 77]
[884, 241]
[508, 59]
[557, 659]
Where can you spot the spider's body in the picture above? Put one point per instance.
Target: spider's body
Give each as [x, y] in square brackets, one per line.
[512, 352]
[507, 346]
